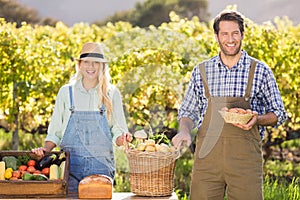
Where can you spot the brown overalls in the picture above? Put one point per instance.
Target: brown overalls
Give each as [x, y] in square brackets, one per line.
[227, 158]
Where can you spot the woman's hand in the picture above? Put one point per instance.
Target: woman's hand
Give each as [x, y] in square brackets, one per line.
[123, 139]
[40, 151]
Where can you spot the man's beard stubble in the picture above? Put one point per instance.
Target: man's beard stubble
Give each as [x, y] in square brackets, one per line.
[226, 53]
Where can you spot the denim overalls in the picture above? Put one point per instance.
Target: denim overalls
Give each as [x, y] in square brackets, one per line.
[89, 141]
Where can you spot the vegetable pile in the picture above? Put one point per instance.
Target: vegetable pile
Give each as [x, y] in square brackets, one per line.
[24, 167]
[151, 143]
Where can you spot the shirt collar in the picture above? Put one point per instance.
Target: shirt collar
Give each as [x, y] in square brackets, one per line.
[241, 63]
[78, 85]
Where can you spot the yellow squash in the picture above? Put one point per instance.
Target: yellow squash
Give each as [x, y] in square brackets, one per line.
[54, 172]
[62, 170]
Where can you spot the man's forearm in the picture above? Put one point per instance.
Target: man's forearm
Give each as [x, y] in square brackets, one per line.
[269, 119]
[185, 125]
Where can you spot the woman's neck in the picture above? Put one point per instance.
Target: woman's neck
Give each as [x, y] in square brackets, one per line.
[88, 84]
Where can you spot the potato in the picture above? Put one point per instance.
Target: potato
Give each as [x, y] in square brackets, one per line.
[241, 110]
[141, 147]
[164, 148]
[157, 147]
[150, 148]
[233, 110]
[150, 142]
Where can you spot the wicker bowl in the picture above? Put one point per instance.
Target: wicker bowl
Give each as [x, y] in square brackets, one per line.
[236, 118]
[151, 173]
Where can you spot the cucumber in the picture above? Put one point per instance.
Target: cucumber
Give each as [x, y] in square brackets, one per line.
[40, 177]
[28, 177]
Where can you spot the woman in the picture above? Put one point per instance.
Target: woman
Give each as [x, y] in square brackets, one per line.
[88, 118]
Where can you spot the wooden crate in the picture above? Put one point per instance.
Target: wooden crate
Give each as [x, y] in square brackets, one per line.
[34, 189]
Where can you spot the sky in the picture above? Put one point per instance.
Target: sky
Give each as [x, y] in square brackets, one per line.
[74, 11]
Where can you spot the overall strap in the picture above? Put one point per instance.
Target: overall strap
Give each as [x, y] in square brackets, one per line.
[204, 79]
[250, 79]
[71, 99]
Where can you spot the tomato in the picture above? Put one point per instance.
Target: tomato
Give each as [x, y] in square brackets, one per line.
[22, 167]
[31, 163]
[46, 171]
[31, 169]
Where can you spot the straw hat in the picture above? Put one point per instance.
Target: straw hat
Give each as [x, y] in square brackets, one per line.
[92, 51]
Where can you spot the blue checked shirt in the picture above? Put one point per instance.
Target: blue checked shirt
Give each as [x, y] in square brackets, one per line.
[222, 81]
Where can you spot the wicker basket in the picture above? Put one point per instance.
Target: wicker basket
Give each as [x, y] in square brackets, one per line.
[230, 117]
[151, 173]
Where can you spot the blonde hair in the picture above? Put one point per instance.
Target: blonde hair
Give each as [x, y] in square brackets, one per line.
[103, 89]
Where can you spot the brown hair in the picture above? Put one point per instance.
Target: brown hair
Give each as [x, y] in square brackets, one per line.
[228, 16]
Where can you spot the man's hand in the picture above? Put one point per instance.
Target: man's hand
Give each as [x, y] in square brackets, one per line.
[181, 138]
[250, 124]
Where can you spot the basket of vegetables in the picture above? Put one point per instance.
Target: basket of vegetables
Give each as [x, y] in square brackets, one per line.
[24, 174]
[152, 163]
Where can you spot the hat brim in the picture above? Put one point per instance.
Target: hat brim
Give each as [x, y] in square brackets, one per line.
[93, 59]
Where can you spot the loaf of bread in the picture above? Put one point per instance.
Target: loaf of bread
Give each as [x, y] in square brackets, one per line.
[95, 186]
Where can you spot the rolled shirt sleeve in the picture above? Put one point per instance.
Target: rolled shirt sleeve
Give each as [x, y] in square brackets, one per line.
[194, 103]
[267, 97]
[60, 117]
[118, 120]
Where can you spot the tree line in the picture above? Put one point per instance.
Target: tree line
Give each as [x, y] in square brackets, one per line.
[151, 66]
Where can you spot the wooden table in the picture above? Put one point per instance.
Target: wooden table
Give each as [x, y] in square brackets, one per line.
[121, 196]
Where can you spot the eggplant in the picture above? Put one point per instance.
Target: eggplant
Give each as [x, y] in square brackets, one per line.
[61, 158]
[47, 161]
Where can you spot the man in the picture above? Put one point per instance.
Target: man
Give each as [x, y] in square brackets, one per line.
[228, 157]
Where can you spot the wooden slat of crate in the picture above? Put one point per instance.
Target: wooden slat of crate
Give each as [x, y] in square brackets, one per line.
[115, 196]
[34, 189]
